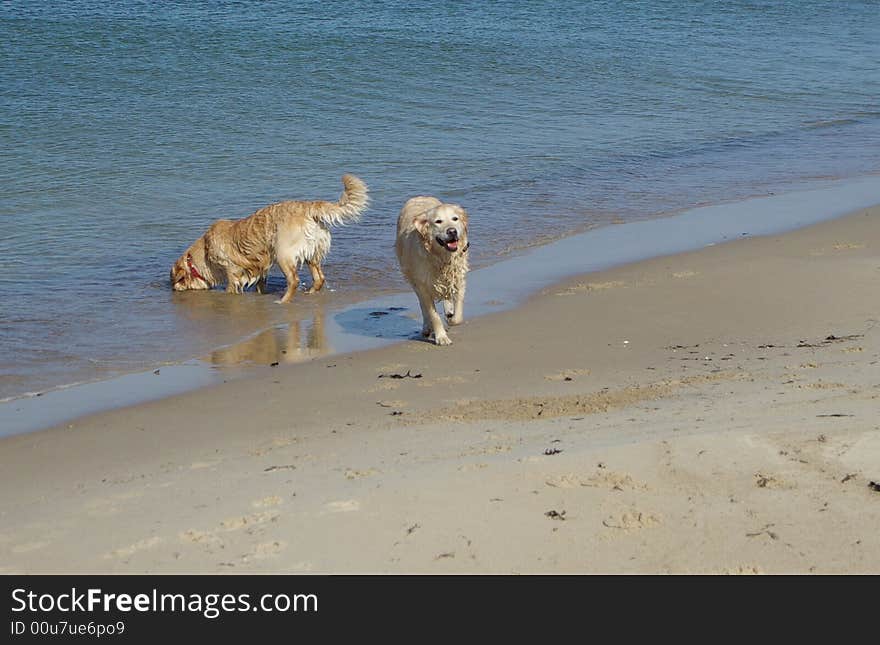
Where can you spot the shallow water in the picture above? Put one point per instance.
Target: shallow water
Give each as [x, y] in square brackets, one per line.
[323, 329]
[127, 127]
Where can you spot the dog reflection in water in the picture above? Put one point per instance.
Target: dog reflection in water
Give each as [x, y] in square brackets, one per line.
[294, 342]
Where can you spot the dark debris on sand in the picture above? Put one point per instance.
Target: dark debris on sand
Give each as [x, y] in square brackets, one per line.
[408, 374]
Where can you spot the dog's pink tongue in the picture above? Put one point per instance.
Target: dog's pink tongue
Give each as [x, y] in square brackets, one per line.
[452, 245]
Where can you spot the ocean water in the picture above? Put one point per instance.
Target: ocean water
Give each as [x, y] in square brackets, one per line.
[127, 127]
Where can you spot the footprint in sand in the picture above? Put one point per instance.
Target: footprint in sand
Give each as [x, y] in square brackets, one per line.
[267, 502]
[211, 537]
[631, 519]
[343, 506]
[236, 523]
[615, 481]
[772, 482]
[131, 549]
[610, 480]
[265, 550]
[206, 538]
[569, 480]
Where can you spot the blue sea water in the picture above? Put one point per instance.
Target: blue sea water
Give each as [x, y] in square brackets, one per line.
[127, 127]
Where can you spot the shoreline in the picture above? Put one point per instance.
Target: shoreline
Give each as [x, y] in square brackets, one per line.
[709, 411]
[500, 286]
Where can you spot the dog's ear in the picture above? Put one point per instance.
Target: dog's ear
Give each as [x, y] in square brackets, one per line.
[178, 273]
[422, 224]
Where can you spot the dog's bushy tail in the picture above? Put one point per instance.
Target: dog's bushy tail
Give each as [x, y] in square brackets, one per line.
[351, 204]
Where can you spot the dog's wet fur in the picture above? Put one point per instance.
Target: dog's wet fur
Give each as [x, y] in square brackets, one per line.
[432, 249]
[240, 253]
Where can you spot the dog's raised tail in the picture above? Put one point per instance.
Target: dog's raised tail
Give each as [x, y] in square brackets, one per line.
[351, 204]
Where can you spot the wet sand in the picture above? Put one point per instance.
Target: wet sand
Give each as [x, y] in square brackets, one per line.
[713, 411]
[250, 332]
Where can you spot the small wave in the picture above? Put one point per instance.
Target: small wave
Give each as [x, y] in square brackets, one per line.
[55, 388]
[829, 123]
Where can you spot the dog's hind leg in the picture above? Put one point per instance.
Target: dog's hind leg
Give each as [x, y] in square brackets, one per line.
[317, 276]
[288, 267]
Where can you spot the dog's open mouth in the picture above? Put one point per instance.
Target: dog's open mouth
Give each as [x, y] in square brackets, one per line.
[449, 245]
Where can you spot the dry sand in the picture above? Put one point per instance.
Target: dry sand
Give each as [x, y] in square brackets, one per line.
[712, 412]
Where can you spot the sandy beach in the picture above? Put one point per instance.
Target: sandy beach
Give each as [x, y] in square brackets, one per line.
[709, 412]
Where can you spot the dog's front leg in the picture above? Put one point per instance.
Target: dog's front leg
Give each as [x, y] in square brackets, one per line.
[431, 319]
[232, 282]
[458, 311]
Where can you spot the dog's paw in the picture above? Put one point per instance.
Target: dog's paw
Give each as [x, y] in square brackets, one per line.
[456, 320]
[442, 339]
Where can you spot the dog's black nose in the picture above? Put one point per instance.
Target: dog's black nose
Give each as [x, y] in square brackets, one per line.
[451, 234]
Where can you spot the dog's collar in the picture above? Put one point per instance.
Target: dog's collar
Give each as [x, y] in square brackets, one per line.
[193, 271]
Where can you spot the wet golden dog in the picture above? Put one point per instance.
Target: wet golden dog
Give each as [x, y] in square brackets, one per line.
[432, 248]
[240, 253]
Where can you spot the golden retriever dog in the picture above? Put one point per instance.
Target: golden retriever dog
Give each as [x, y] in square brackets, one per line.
[432, 248]
[240, 253]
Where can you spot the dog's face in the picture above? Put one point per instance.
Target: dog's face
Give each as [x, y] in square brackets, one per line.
[188, 272]
[445, 227]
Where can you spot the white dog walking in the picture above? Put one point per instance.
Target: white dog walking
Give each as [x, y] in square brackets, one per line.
[432, 248]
